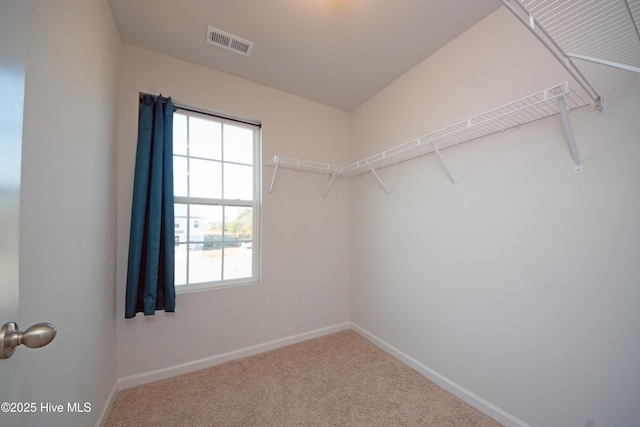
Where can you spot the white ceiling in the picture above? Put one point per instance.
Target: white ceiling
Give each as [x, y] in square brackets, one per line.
[337, 52]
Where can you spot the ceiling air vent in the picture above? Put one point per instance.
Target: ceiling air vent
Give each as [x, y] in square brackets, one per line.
[229, 41]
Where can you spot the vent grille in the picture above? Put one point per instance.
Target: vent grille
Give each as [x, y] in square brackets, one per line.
[228, 41]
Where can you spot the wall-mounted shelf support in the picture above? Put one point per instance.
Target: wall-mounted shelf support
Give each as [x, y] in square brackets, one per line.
[444, 164]
[633, 21]
[605, 62]
[332, 176]
[373, 171]
[568, 131]
[276, 160]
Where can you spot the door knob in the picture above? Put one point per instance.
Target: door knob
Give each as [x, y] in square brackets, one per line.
[36, 336]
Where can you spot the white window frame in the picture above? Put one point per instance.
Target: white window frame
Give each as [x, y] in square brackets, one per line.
[255, 204]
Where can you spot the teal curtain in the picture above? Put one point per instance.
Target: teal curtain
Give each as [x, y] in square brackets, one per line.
[150, 280]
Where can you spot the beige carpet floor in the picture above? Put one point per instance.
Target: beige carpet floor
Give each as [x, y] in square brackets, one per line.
[336, 380]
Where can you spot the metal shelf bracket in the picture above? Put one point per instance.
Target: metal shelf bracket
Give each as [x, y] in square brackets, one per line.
[332, 176]
[568, 130]
[373, 171]
[275, 173]
[444, 164]
[605, 62]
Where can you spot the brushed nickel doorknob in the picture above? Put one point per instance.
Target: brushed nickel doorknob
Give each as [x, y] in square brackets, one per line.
[36, 336]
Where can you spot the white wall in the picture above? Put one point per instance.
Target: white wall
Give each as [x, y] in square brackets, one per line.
[67, 215]
[522, 285]
[306, 252]
[518, 286]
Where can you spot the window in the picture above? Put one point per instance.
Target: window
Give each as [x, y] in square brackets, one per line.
[216, 170]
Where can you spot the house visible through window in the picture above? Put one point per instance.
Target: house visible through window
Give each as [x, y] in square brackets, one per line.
[217, 201]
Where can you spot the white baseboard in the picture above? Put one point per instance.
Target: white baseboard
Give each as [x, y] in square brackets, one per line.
[159, 374]
[107, 405]
[453, 388]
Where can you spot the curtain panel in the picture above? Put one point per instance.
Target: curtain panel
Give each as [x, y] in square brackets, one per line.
[150, 275]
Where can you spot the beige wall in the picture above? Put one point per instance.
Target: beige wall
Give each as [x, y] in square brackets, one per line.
[305, 241]
[519, 288]
[67, 215]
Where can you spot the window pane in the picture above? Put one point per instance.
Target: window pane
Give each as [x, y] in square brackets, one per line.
[205, 224]
[205, 250]
[180, 269]
[205, 265]
[237, 263]
[180, 176]
[180, 232]
[205, 179]
[238, 221]
[180, 219]
[205, 138]
[179, 134]
[238, 182]
[238, 144]
[238, 254]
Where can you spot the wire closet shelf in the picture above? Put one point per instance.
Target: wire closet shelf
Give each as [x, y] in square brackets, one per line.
[598, 42]
[539, 105]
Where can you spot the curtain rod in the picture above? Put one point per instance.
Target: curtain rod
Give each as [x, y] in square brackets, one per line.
[180, 106]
